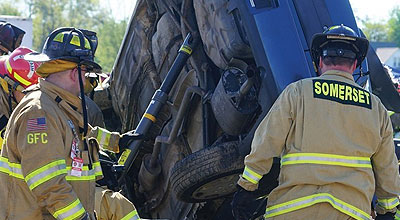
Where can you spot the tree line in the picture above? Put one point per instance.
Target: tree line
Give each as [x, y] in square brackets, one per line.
[88, 14]
[48, 15]
[383, 31]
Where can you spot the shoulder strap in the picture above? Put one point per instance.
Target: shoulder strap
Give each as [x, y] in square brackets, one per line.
[3, 122]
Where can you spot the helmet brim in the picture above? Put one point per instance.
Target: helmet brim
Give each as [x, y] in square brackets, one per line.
[3, 68]
[37, 57]
[319, 40]
[41, 57]
[361, 43]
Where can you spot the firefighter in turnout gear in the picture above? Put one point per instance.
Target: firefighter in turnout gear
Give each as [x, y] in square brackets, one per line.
[49, 162]
[394, 116]
[10, 37]
[334, 139]
[16, 74]
[109, 205]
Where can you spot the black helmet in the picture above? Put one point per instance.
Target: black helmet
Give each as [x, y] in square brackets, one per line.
[10, 37]
[339, 41]
[71, 44]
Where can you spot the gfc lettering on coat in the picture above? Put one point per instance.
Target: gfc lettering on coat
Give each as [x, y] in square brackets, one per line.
[341, 92]
[34, 138]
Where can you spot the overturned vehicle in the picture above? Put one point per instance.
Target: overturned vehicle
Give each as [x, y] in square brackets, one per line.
[196, 77]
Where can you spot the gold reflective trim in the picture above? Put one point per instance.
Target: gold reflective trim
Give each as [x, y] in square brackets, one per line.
[70, 212]
[340, 37]
[124, 156]
[186, 49]
[307, 201]
[251, 175]
[21, 80]
[326, 159]
[59, 38]
[149, 116]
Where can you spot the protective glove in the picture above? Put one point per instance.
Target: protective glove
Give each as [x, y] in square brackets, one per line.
[127, 138]
[387, 216]
[86, 217]
[241, 203]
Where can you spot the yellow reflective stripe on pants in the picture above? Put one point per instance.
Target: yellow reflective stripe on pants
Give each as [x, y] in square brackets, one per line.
[397, 215]
[70, 212]
[45, 173]
[12, 169]
[251, 176]
[86, 173]
[327, 159]
[390, 113]
[307, 201]
[97, 169]
[132, 216]
[388, 203]
[103, 137]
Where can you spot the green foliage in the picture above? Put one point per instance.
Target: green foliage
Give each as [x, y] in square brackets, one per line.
[7, 8]
[110, 34]
[87, 14]
[47, 15]
[375, 31]
[394, 24]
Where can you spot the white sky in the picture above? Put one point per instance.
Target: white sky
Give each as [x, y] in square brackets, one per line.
[121, 9]
[376, 10]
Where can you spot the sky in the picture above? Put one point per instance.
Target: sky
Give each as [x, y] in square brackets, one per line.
[376, 10]
[121, 9]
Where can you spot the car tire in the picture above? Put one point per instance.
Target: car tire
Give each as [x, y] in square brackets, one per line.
[207, 174]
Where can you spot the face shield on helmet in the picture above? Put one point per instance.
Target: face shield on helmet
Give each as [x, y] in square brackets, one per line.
[10, 37]
[17, 73]
[339, 41]
[91, 82]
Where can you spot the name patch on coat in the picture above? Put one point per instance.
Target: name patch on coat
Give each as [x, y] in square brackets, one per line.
[341, 92]
[34, 138]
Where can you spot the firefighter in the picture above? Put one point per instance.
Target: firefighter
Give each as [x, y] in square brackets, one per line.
[334, 139]
[16, 74]
[109, 205]
[10, 37]
[95, 116]
[49, 162]
[394, 116]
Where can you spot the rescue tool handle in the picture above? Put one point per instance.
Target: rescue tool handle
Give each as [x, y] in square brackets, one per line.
[159, 98]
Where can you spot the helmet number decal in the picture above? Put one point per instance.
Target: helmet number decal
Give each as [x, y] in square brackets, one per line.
[31, 69]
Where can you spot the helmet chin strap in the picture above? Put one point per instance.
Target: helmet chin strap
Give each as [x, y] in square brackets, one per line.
[10, 100]
[82, 93]
[84, 111]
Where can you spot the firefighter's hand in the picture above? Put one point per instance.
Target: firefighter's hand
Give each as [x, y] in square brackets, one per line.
[241, 209]
[127, 138]
[387, 216]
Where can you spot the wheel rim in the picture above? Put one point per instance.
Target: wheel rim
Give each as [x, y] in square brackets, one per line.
[217, 188]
